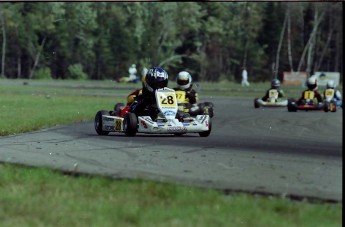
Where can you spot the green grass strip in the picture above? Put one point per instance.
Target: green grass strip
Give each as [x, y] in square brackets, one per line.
[41, 197]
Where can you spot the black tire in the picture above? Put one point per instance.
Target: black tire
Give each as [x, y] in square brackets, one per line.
[99, 124]
[291, 105]
[256, 104]
[333, 107]
[206, 108]
[207, 133]
[178, 134]
[117, 108]
[326, 107]
[210, 111]
[130, 124]
[179, 115]
[209, 104]
[202, 107]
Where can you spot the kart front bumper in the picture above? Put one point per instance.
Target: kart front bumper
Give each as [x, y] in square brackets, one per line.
[146, 125]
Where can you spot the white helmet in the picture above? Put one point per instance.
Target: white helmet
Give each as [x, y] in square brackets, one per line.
[312, 83]
[183, 80]
[330, 84]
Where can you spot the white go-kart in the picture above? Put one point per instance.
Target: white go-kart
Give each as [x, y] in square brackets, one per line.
[272, 101]
[167, 121]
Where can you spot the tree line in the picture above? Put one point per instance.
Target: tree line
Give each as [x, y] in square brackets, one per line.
[212, 40]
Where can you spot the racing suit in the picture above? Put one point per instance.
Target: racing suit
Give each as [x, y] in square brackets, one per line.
[191, 99]
[145, 104]
[308, 97]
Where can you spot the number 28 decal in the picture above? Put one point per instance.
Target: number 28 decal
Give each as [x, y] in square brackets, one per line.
[168, 100]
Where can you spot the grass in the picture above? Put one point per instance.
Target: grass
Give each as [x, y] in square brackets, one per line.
[43, 197]
[38, 111]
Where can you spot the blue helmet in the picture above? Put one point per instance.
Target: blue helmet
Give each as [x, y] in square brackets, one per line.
[156, 78]
[275, 83]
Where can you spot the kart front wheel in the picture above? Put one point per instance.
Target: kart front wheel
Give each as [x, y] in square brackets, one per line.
[130, 124]
[99, 123]
[207, 133]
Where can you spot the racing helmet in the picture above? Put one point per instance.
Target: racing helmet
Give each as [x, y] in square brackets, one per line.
[183, 80]
[156, 78]
[312, 83]
[330, 84]
[275, 83]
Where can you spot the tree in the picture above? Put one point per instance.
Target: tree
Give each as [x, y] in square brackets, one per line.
[3, 42]
[212, 40]
[311, 43]
[280, 44]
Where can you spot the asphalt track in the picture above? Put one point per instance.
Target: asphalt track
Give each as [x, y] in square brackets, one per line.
[266, 150]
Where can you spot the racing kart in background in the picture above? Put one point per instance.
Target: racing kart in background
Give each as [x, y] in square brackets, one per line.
[272, 101]
[293, 105]
[310, 103]
[330, 103]
[166, 121]
[184, 105]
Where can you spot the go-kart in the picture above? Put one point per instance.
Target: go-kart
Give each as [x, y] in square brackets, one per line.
[309, 102]
[273, 100]
[167, 120]
[307, 105]
[330, 103]
[201, 108]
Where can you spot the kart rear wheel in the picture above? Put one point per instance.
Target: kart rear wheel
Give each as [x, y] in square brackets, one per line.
[209, 104]
[326, 107]
[206, 108]
[130, 124]
[178, 134]
[209, 111]
[333, 107]
[256, 104]
[99, 123]
[291, 105]
[207, 133]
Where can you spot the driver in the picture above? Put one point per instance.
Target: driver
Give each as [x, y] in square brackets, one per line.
[184, 83]
[145, 102]
[275, 87]
[311, 93]
[336, 93]
[131, 97]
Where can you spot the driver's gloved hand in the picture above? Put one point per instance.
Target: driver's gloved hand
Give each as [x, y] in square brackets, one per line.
[133, 106]
[194, 108]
